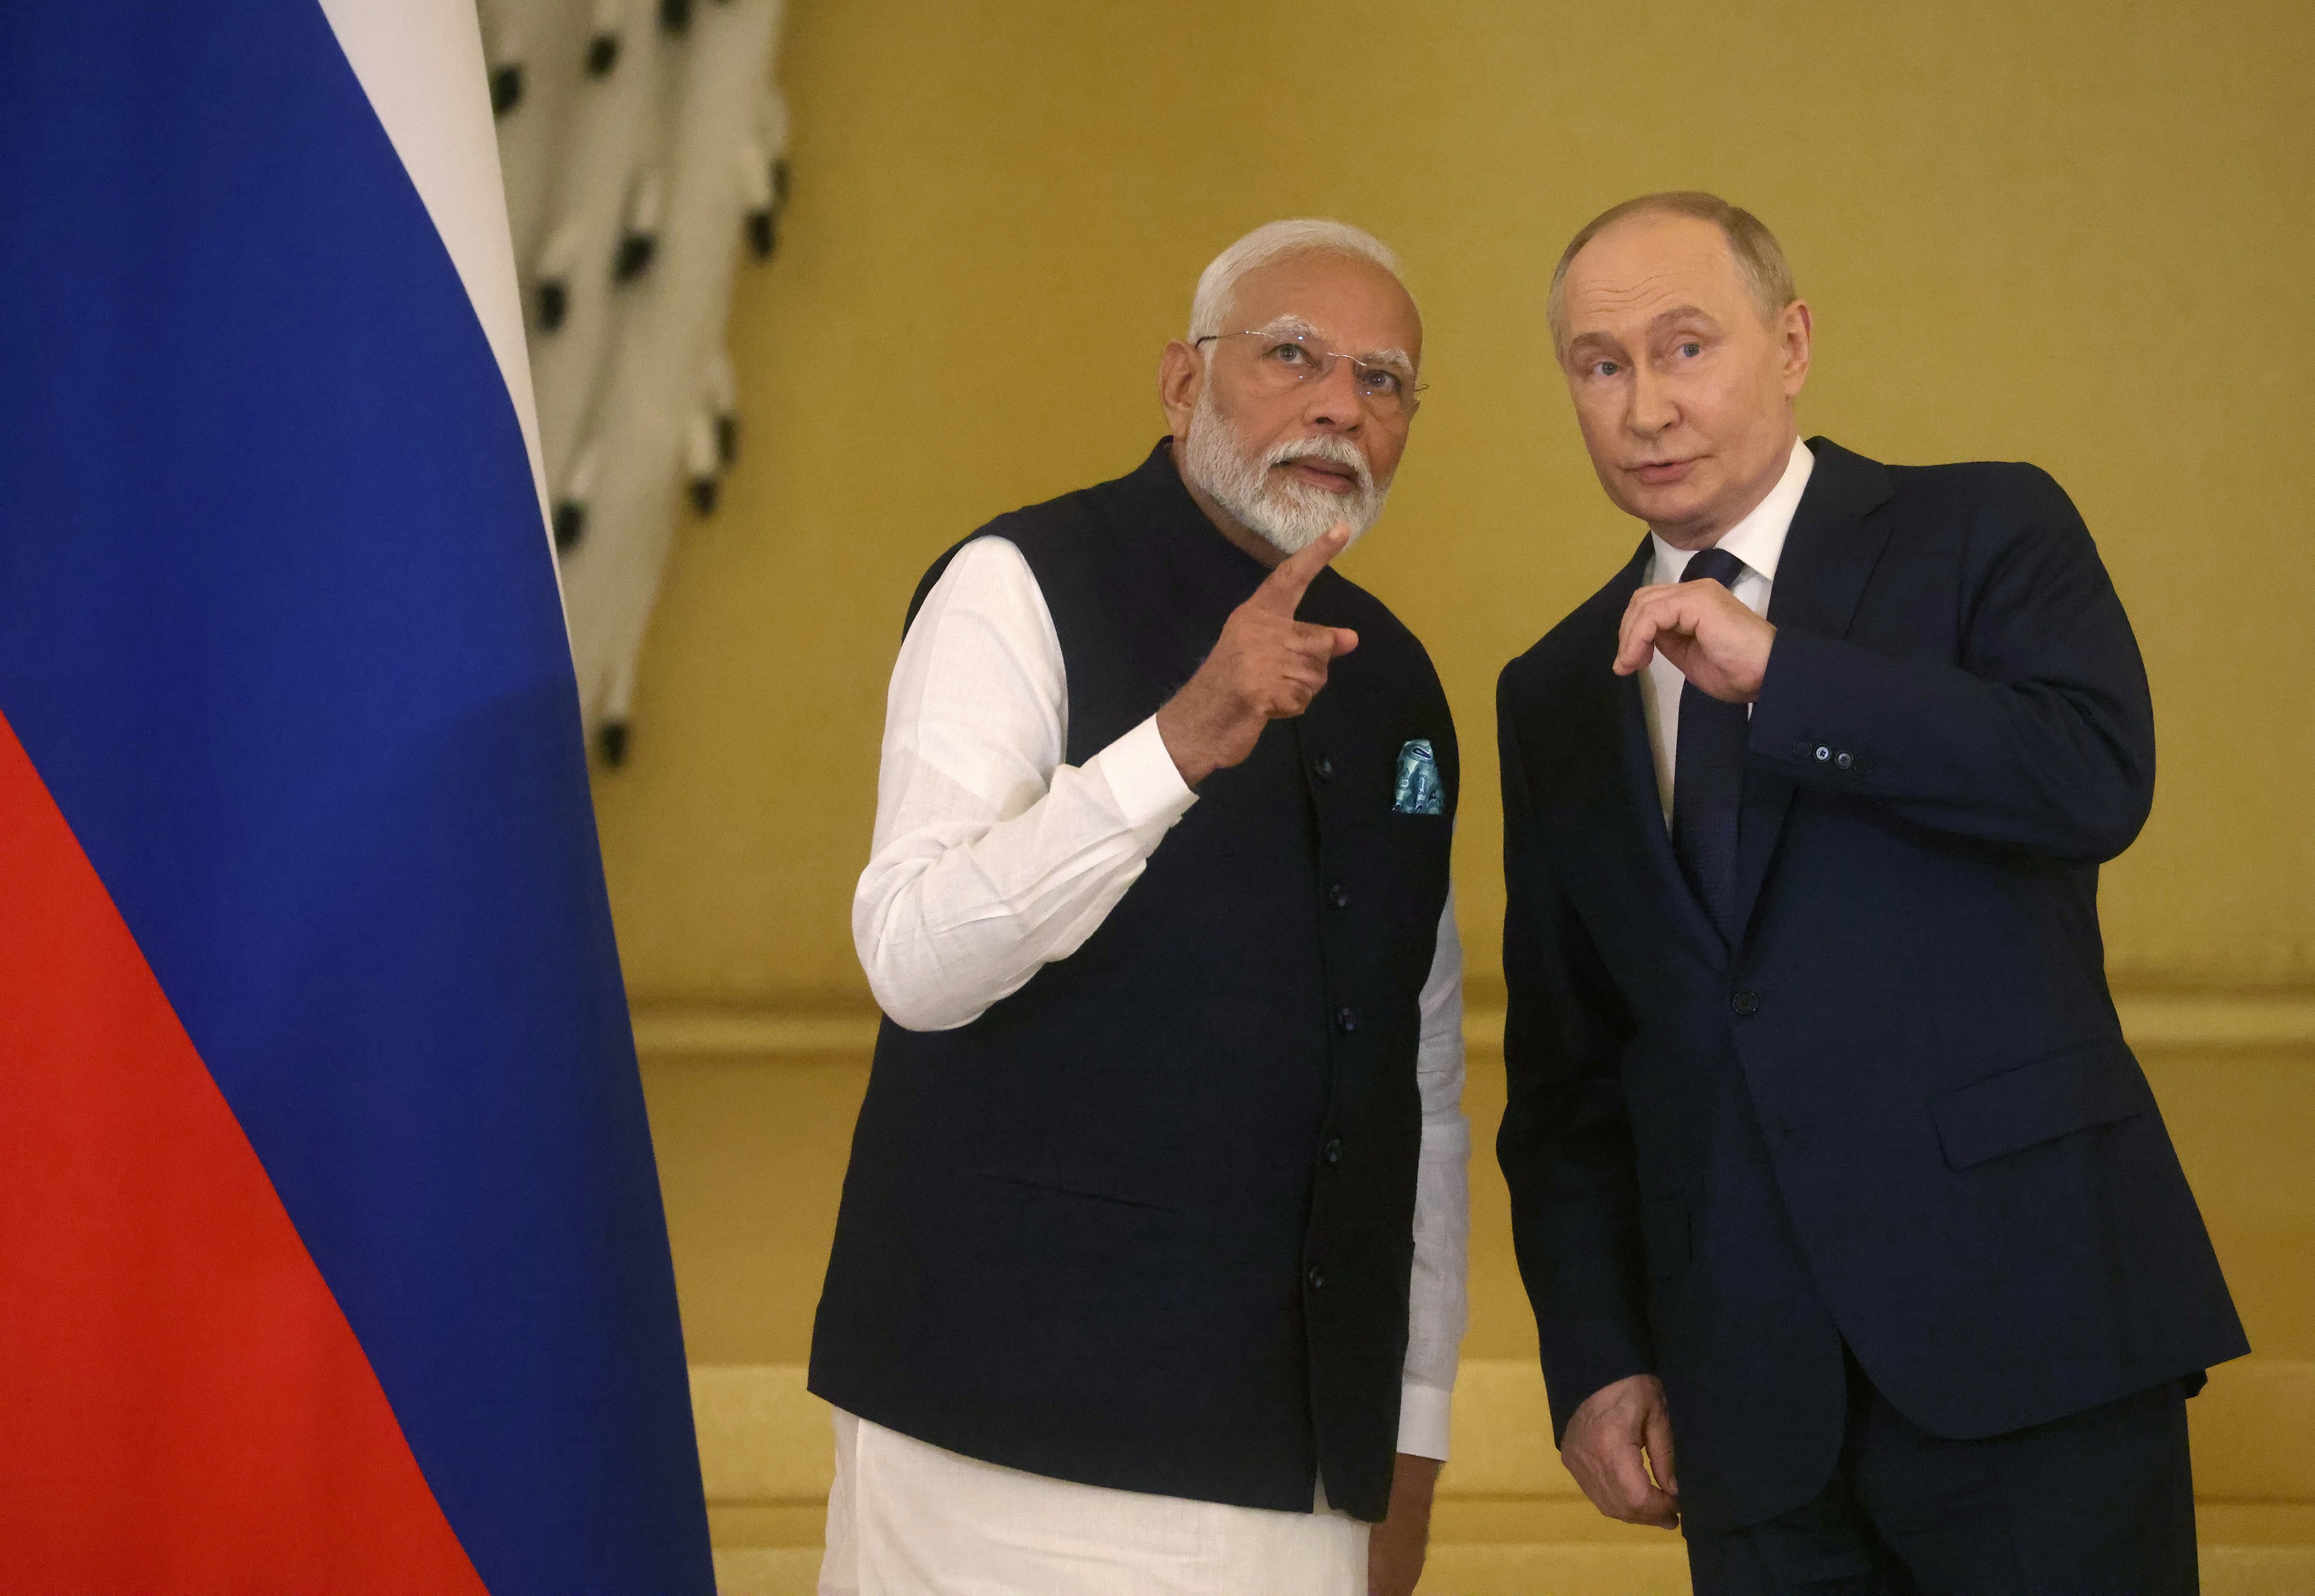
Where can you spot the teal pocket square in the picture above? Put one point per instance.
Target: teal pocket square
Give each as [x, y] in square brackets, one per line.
[1418, 791]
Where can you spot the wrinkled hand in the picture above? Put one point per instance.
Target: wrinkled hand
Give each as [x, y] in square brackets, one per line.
[1604, 1446]
[1704, 629]
[1396, 1546]
[1267, 666]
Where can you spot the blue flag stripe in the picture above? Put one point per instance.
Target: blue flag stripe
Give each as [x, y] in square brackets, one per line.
[278, 628]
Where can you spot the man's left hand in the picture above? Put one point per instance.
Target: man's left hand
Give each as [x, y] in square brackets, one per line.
[1394, 1547]
[1702, 628]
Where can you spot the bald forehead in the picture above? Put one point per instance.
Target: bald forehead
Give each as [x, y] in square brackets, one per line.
[1353, 302]
[1649, 265]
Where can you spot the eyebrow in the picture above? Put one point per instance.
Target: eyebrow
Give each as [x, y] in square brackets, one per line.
[1294, 323]
[1598, 339]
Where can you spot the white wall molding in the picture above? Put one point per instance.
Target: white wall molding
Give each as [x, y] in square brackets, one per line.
[763, 1438]
[2218, 1019]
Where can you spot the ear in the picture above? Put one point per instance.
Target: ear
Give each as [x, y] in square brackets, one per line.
[1181, 377]
[1794, 327]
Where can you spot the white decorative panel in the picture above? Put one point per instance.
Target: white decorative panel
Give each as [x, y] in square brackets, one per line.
[644, 154]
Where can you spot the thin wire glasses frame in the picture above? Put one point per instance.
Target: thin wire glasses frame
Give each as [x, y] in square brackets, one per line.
[1296, 357]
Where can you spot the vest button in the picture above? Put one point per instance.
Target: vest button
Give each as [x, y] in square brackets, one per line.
[1339, 895]
[1324, 767]
[1333, 1154]
[1745, 1003]
[1344, 1020]
[1316, 1277]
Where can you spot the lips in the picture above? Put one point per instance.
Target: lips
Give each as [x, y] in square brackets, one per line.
[1322, 473]
[1658, 472]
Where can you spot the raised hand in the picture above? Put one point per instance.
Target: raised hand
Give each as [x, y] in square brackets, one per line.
[1621, 1433]
[1266, 666]
[1702, 628]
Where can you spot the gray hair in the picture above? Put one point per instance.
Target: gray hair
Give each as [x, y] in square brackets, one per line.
[1273, 242]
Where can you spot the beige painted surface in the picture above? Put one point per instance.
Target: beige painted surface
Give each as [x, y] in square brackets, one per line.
[2073, 234]
[1509, 1519]
[752, 1149]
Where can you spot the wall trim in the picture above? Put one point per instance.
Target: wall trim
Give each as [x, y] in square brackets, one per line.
[763, 1438]
[2219, 1019]
[677, 1032]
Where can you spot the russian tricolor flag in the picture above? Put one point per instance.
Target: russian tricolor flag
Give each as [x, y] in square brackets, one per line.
[331, 1258]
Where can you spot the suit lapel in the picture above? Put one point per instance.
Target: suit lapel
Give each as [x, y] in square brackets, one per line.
[1829, 551]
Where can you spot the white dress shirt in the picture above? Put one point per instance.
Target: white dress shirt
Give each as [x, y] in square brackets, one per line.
[992, 858]
[1758, 541]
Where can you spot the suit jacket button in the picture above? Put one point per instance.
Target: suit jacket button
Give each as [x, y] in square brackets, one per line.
[1316, 1277]
[1333, 1154]
[1339, 895]
[1824, 753]
[1745, 1003]
[1344, 1020]
[1843, 760]
[1323, 767]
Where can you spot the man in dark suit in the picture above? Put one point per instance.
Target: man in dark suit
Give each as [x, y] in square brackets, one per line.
[1828, 1159]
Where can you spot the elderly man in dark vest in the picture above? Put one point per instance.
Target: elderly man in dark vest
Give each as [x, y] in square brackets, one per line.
[1150, 1275]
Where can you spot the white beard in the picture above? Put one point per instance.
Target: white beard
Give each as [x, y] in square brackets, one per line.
[1288, 515]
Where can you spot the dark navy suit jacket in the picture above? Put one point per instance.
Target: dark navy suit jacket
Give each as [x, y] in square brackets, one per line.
[1899, 1112]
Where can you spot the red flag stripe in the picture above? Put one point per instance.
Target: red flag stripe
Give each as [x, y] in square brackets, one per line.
[182, 1406]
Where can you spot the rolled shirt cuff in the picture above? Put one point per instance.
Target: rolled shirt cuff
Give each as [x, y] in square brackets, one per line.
[1143, 777]
[1423, 1414]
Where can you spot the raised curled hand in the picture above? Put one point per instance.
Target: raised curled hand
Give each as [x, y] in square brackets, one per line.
[1266, 666]
[1618, 1448]
[1702, 628]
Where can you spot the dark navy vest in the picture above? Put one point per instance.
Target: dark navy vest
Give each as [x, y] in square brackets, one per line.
[1148, 1223]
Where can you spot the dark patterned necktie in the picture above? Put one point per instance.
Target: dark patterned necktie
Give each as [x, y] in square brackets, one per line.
[1708, 776]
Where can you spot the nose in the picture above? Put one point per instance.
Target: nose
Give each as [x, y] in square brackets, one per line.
[1331, 399]
[1652, 408]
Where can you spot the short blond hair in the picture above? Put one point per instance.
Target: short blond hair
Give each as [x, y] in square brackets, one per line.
[1760, 258]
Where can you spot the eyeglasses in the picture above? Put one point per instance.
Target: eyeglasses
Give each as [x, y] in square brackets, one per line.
[1285, 358]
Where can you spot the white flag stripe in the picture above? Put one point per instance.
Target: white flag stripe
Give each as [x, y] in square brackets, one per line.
[420, 63]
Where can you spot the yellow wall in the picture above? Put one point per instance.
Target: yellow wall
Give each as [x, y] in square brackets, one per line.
[2073, 234]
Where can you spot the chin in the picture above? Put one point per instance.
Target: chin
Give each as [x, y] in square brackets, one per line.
[1660, 506]
[1670, 504]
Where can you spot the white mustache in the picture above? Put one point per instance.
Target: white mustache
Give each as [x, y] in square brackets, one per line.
[1336, 451]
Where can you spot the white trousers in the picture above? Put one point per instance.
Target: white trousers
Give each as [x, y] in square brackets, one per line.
[906, 1518]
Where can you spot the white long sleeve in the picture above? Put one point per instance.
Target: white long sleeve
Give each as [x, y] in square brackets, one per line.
[992, 858]
[1438, 1299]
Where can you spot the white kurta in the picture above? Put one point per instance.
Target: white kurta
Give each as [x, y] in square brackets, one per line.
[991, 859]
[906, 1518]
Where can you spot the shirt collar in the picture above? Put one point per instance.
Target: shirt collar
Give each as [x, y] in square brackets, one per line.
[1759, 539]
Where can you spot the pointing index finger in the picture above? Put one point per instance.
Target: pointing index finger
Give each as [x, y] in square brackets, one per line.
[1282, 590]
